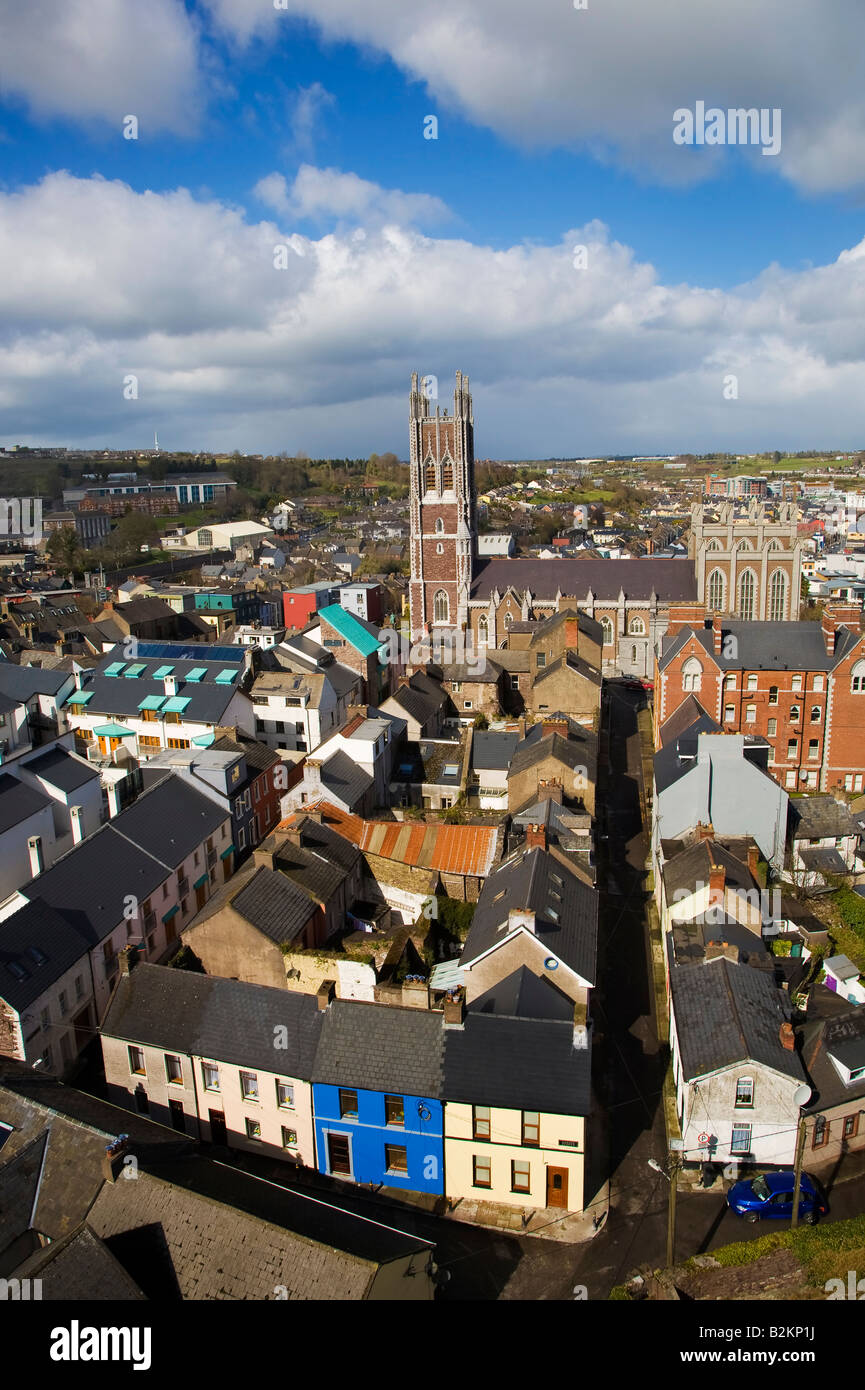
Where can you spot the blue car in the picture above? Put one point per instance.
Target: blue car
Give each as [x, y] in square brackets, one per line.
[771, 1196]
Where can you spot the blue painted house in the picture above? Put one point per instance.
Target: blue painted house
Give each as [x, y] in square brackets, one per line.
[377, 1105]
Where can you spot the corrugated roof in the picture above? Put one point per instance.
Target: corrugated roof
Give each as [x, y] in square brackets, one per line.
[452, 849]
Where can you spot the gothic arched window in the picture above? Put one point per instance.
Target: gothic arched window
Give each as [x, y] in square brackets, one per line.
[440, 550]
[440, 527]
[716, 591]
[778, 597]
[509, 617]
[858, 678]
[441, 607]
[747, 589]
[448, 477]
[483, 630]
[692, 674]
[430, 478]
[637, 628]
[608, 632]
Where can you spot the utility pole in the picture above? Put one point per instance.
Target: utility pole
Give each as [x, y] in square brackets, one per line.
[800, 1150]
[675, 1169]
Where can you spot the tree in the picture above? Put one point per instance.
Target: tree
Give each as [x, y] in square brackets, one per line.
[66, 550]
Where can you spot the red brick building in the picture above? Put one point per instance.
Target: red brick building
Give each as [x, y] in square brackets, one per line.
[442, 509]
[801, 686]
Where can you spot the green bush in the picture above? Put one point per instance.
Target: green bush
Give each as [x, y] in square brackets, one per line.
[454, 917]
[852, 909]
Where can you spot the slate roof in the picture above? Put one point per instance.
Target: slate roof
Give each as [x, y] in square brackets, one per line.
[525, 995]
[274, 905]
[820, 818]
[528, 879]
[517, 1064]
[62, 769]
[80, 1267]
[170, 820]
[121, 696]
[380, 1047]
[18, 802]
[221, 1020]
[38, 928]
[832, 1028]
[823, 861]
[91, 883]
[672, 580]
[726, 1014]
[689, 713]
[765, 646]
[571, 662]
[693, 865]
[492, 752]
[216, 1233]
[344, 779]
[571, 752]
[322, 860]
[21, 683]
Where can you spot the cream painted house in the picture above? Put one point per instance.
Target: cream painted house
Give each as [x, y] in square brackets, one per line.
[248, 1088]
[517, 1088]
[736, 1069]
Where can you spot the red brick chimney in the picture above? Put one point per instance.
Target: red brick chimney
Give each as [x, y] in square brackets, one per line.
[536, 837]
[787, 1037]
[685, 615]
[572, 633]
[753, 859]
[705, 832]
[555, 726]
[717, 879]
[828, 626]
[717, 635]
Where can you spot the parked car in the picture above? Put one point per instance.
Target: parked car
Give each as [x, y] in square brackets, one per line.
[770, 1196]
[631, 683]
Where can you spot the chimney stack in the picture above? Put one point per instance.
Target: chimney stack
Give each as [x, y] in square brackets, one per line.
[127, 959]
[717, 634]
[75, 816]
[828, 628]
[536, 837]
[112, 1158]
[717, 879]
[325, 994]
[753, 860]
[37, 862]
[572, 633]
[705, 832]
[521, 917]
[787, 1037]
[455, 1008]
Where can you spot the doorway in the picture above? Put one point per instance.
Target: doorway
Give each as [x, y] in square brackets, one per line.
[339, 1154]
[218, 1131]
[557, 1187]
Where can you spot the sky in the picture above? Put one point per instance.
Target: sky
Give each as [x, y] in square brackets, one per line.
[244, 223]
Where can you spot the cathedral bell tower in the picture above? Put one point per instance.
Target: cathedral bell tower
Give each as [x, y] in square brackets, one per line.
[443, 535]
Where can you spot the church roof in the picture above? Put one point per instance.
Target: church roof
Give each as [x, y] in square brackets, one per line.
[671, 580]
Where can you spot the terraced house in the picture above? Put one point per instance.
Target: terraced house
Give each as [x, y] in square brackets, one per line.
[167, 695]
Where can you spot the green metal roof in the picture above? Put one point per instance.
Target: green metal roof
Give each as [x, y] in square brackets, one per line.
[151, 702]
[226, 676]
[115, 668]
[176, 705]
[113, 731]
[80, 697]
[161, 672]
[348, 627]
[203, 740]
[197, 673]
[132, 672]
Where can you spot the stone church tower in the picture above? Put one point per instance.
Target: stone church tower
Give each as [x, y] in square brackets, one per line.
[442, 518]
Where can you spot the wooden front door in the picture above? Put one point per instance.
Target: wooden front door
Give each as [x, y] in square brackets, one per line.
[557, 1187]
[218, 1132]
[339, 1154]
[201, 896]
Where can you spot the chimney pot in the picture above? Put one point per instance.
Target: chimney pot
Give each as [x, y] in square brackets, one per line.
[536, 837]
[787, 1037]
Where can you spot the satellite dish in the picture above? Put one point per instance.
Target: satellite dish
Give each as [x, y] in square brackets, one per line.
[802, 1095]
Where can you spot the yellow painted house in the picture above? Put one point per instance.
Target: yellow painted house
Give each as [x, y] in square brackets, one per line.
[517, 1089]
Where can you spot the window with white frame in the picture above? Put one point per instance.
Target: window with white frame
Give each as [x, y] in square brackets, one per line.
[692, 674]
[210, 1073]
[249, 1085]
[744, 1091]
[740, 1143]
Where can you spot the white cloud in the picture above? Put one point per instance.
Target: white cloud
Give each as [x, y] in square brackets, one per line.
[231, 351]
[327, 194]
[608, 78]
[101, 60]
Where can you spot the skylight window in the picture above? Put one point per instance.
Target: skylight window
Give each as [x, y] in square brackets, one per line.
[451, 770]
[551, 911]
[17, 970]
[36, 955]
[162, 672]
